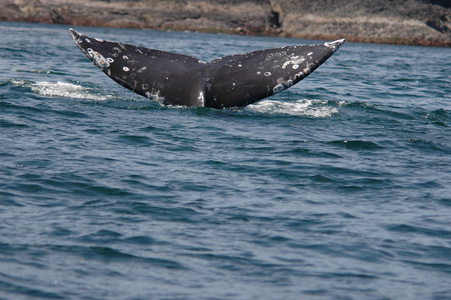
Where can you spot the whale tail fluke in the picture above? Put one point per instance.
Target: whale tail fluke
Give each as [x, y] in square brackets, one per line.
[231, 81]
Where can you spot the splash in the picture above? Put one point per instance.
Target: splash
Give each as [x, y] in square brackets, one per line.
[311, 108]
[61, 89]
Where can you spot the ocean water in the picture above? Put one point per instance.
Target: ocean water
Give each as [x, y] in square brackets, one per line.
[337, 188]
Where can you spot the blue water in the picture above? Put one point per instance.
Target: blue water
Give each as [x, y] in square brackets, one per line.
[337, 188]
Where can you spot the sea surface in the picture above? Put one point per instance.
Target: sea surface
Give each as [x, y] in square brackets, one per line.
[337, 188]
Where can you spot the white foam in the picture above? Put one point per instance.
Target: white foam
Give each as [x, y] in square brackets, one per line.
[312, 108]
[19, 82]
[62, 89]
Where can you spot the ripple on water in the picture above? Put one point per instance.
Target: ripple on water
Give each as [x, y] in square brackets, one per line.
[335, 188]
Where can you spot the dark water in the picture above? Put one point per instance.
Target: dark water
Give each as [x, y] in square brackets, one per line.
[338, 188]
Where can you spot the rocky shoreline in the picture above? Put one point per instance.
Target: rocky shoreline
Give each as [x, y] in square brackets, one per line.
[409, 22]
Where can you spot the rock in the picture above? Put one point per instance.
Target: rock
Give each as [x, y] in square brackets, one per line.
[383, 21]
[419, 22]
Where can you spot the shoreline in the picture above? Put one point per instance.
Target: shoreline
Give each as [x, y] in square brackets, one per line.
[425, 24]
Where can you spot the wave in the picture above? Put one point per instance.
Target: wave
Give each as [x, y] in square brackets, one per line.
[302, 107]
[305, 107]
[61, 89]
